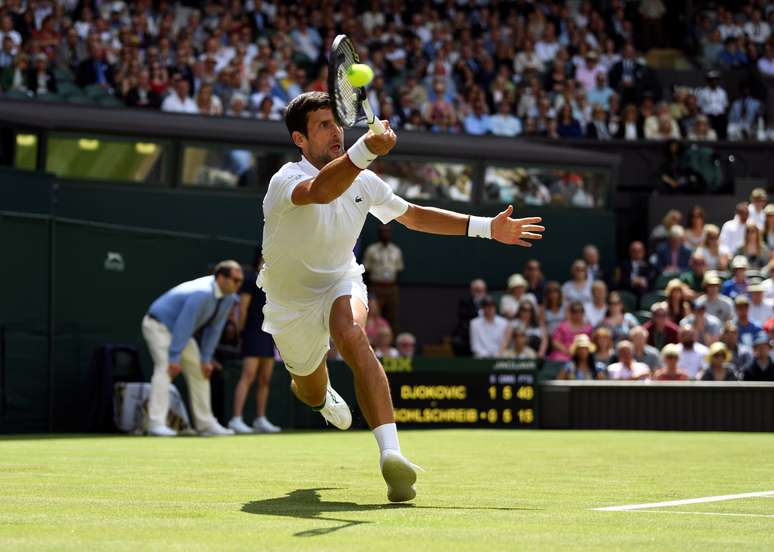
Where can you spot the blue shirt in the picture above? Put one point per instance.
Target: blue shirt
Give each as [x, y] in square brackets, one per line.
[185, 308]
[731, 288]
[747, 333]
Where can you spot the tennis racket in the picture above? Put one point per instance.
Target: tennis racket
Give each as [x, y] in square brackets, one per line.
[350, 104]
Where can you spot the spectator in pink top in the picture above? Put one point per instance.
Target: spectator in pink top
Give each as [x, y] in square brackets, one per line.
[565, 332]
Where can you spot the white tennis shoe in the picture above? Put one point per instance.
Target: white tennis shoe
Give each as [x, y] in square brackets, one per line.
[336, 411]
[216, 430]
[263, 425]
[239, 425]
[400, 476]
[161, 431]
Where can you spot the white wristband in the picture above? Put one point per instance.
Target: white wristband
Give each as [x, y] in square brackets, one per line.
[480, 227]
[360, 155]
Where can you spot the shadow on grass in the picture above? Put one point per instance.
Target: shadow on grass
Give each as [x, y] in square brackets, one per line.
[308, 504]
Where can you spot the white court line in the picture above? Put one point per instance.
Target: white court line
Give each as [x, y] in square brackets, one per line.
[700, 500]
[703, 513]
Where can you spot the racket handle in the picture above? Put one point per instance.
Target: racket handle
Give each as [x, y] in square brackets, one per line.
[374, 124]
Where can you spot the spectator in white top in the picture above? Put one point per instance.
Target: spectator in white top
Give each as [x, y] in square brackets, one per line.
[597, 309]
[517, 291]
[766, 61]
[654, 122]
[692, 354]
[627, 368]
[383, 260]
[487, 330]
[406, 344]
[713, 102]
[760, 309]
[178, 101]
[548, 46]
[578, 287]
[701, 131]
[6, 29]
[758, 200]
[756, 29]
[504, 123]
[732, 232]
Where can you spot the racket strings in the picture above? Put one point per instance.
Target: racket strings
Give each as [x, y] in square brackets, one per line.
[347, 96]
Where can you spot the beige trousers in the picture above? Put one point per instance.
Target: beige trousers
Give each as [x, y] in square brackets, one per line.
[159, 338]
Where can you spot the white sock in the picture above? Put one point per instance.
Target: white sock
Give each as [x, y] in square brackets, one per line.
[261, 419]
[387, 437]
[237, 418]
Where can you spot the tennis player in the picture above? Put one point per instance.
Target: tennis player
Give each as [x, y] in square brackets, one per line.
[314, 212]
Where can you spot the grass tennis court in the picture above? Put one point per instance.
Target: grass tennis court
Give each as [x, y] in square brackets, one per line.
[483, 490]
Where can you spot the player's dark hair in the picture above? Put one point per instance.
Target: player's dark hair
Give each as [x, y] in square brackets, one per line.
[224, 268]
[298, 110]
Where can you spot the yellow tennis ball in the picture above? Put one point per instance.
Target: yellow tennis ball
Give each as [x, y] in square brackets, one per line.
[359, 74]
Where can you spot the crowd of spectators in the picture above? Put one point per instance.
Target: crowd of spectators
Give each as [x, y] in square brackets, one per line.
[539, 68]
[699, 306]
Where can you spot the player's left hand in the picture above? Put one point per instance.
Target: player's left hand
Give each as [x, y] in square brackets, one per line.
[516, 231]
[216, 365]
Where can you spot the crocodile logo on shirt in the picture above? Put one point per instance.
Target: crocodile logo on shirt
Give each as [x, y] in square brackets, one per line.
[358, 199]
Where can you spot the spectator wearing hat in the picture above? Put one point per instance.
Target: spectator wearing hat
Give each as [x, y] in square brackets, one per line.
[737, 284]
[636, 273]
[757, 207]
[707, 326]
[713, 101]
[516, 344]
[565, 332]
[661, 330]
[692, 353]
[642, 351]
[673, 256]
[487, 330]
[746, 328]
[671, 371]
[732, 232]
[590, 71]
[693, 279]
[716, 303]
[761, 368]
[761, 309]
[741, 355]
[627, 368]
[719, 366]
[582, 365]
[753, 248]
[517, 292]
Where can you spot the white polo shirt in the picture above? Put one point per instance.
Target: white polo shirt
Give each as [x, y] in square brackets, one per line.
[308, 249]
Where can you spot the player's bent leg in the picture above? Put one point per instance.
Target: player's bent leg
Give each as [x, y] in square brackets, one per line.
[316, 391]
[347, 323]
[249, 370]
[347, 326]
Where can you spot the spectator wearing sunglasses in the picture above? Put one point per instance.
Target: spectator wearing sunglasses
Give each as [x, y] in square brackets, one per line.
[169, 327]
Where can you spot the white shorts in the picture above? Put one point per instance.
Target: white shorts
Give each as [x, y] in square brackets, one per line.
[304, 341]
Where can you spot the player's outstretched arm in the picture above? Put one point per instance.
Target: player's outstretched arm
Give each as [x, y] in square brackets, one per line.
[502, 228]
[337, 176]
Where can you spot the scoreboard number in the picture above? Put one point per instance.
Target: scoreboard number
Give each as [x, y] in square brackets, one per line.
[465, 399]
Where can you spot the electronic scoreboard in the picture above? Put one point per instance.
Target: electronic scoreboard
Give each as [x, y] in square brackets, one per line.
[484, 394]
